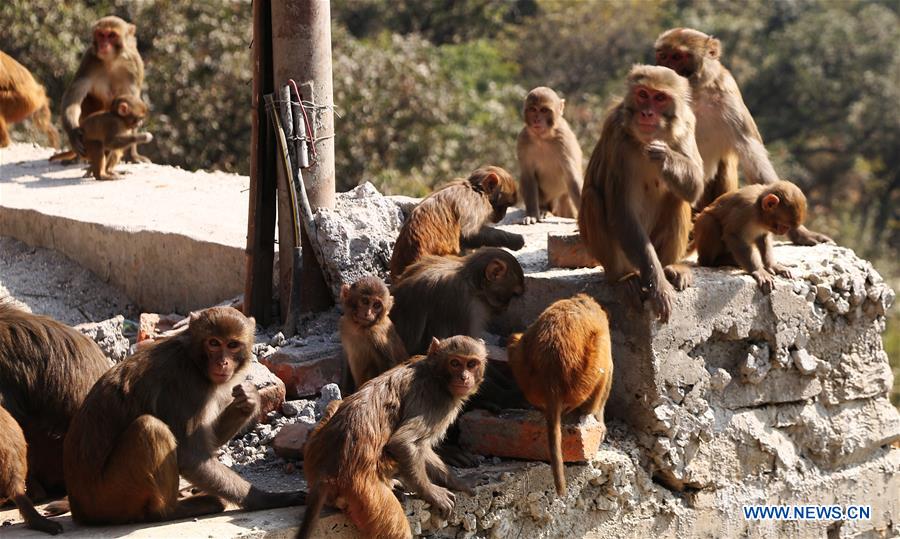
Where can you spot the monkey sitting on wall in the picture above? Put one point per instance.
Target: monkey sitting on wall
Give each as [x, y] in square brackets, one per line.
[370, 342]
[389, 429]
[737, 228]
[163, 413]
[107, 133]
[456, 216]
[550, 158]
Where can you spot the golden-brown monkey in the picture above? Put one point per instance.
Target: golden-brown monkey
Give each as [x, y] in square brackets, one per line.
[20, 97]
[107, 133]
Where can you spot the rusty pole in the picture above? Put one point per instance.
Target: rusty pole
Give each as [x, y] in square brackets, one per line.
[301, 44]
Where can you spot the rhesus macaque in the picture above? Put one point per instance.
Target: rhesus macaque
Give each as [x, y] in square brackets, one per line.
[110, 67]
[164, 412]
[46, 370]
[726, 132]
[563, 364]
[107, 133]
[441, 296]
[737, 228]
[389, 429]
[370, 341]
[20, 97]
[456, 216]
[13, 469]
[643, 176]
[549, 158]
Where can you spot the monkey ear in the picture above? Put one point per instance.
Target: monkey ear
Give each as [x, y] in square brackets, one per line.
[495, 270]
[490, 182]
[562, 106]
[713, 48]
[435, 344]
[770, 202]
[345, 291]
[122, 109]
[132, 29]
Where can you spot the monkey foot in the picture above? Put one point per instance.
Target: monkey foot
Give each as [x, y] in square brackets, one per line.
[679, 275]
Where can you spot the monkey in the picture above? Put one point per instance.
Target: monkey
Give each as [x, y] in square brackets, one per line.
[442, 296]
[46, 370]
[13, 469]
[369, 339]
[726, 133]
[737, 228]
[550, 158]
[111, 66]
[643, 176]
[456, 216]
[107, 133]
[563, 364]
[389, 429]
[161, 413]
[20, 97]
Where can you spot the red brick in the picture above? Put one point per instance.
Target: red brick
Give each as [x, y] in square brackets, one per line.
[291, 439]
[305, 369]
[567, 251]
[153, 325]
[522, 434]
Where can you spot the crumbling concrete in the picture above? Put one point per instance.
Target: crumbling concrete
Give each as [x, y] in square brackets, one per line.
[108, 334]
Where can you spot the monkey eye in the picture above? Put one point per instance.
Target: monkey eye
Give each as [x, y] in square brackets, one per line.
[643, 94]
[454, 363]
[215, 343]
[660, 97]
[377, 305]
[234, 345]
[661, 55]
[545, 110]
[472, 364]
[676, 57]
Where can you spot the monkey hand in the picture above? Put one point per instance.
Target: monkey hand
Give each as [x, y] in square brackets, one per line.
[76, 139]
[246, 398]
[662, 296]
[440, 499]
[143, 138]
[530, 220]
[804, 236]
[764, 279]
[516, 242]
[657, 150]
[778, 269]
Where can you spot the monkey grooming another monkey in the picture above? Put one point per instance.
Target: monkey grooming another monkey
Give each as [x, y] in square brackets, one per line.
[442, 296]
[13, 469]
[549, 158]
[563, 364]
[389, 429]
[737, 228]
[107, 133]
[163, 412]
[726, 133]
[456, 216]
[20, 97]
[370, 342]
[46, 370]
[111, 66]
[643, 175]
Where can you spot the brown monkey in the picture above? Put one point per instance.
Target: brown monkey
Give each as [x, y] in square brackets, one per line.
[107, 133]
[642, 178]
[46, 370]
[161, 413]
[110, 67]
[444, 296]
[726, 132]
[370, 341]
[737, 228]
[456, 216]
[13, 468]
[563, 364]
[389, 429]
[20, 97]
[549, 158]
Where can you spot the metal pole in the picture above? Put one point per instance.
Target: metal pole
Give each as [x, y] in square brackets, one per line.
[301, 38]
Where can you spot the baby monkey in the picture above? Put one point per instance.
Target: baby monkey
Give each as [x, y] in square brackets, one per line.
[736, 229]
[108, 133]
[370, 342]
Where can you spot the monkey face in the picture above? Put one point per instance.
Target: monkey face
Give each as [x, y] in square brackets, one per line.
[368, 310]
[539, 117]
[465, 374]
[107, 43]
[223, 358]
[650, 110]
[677, 59]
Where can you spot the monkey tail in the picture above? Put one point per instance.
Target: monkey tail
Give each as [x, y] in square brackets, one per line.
[315, 500]
[42, 121]
[554, 436]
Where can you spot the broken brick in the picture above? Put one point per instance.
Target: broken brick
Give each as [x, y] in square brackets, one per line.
[305, 369]
[291, 439]
[568, 251]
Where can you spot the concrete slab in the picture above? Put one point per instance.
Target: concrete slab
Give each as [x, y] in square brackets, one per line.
[171, 239]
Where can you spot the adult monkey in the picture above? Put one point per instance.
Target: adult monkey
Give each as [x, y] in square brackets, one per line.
[644, 174]
[726, 132]
[110, 67]
[161, 413]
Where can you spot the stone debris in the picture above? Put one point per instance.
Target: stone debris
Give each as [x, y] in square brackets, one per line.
[108, 334]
